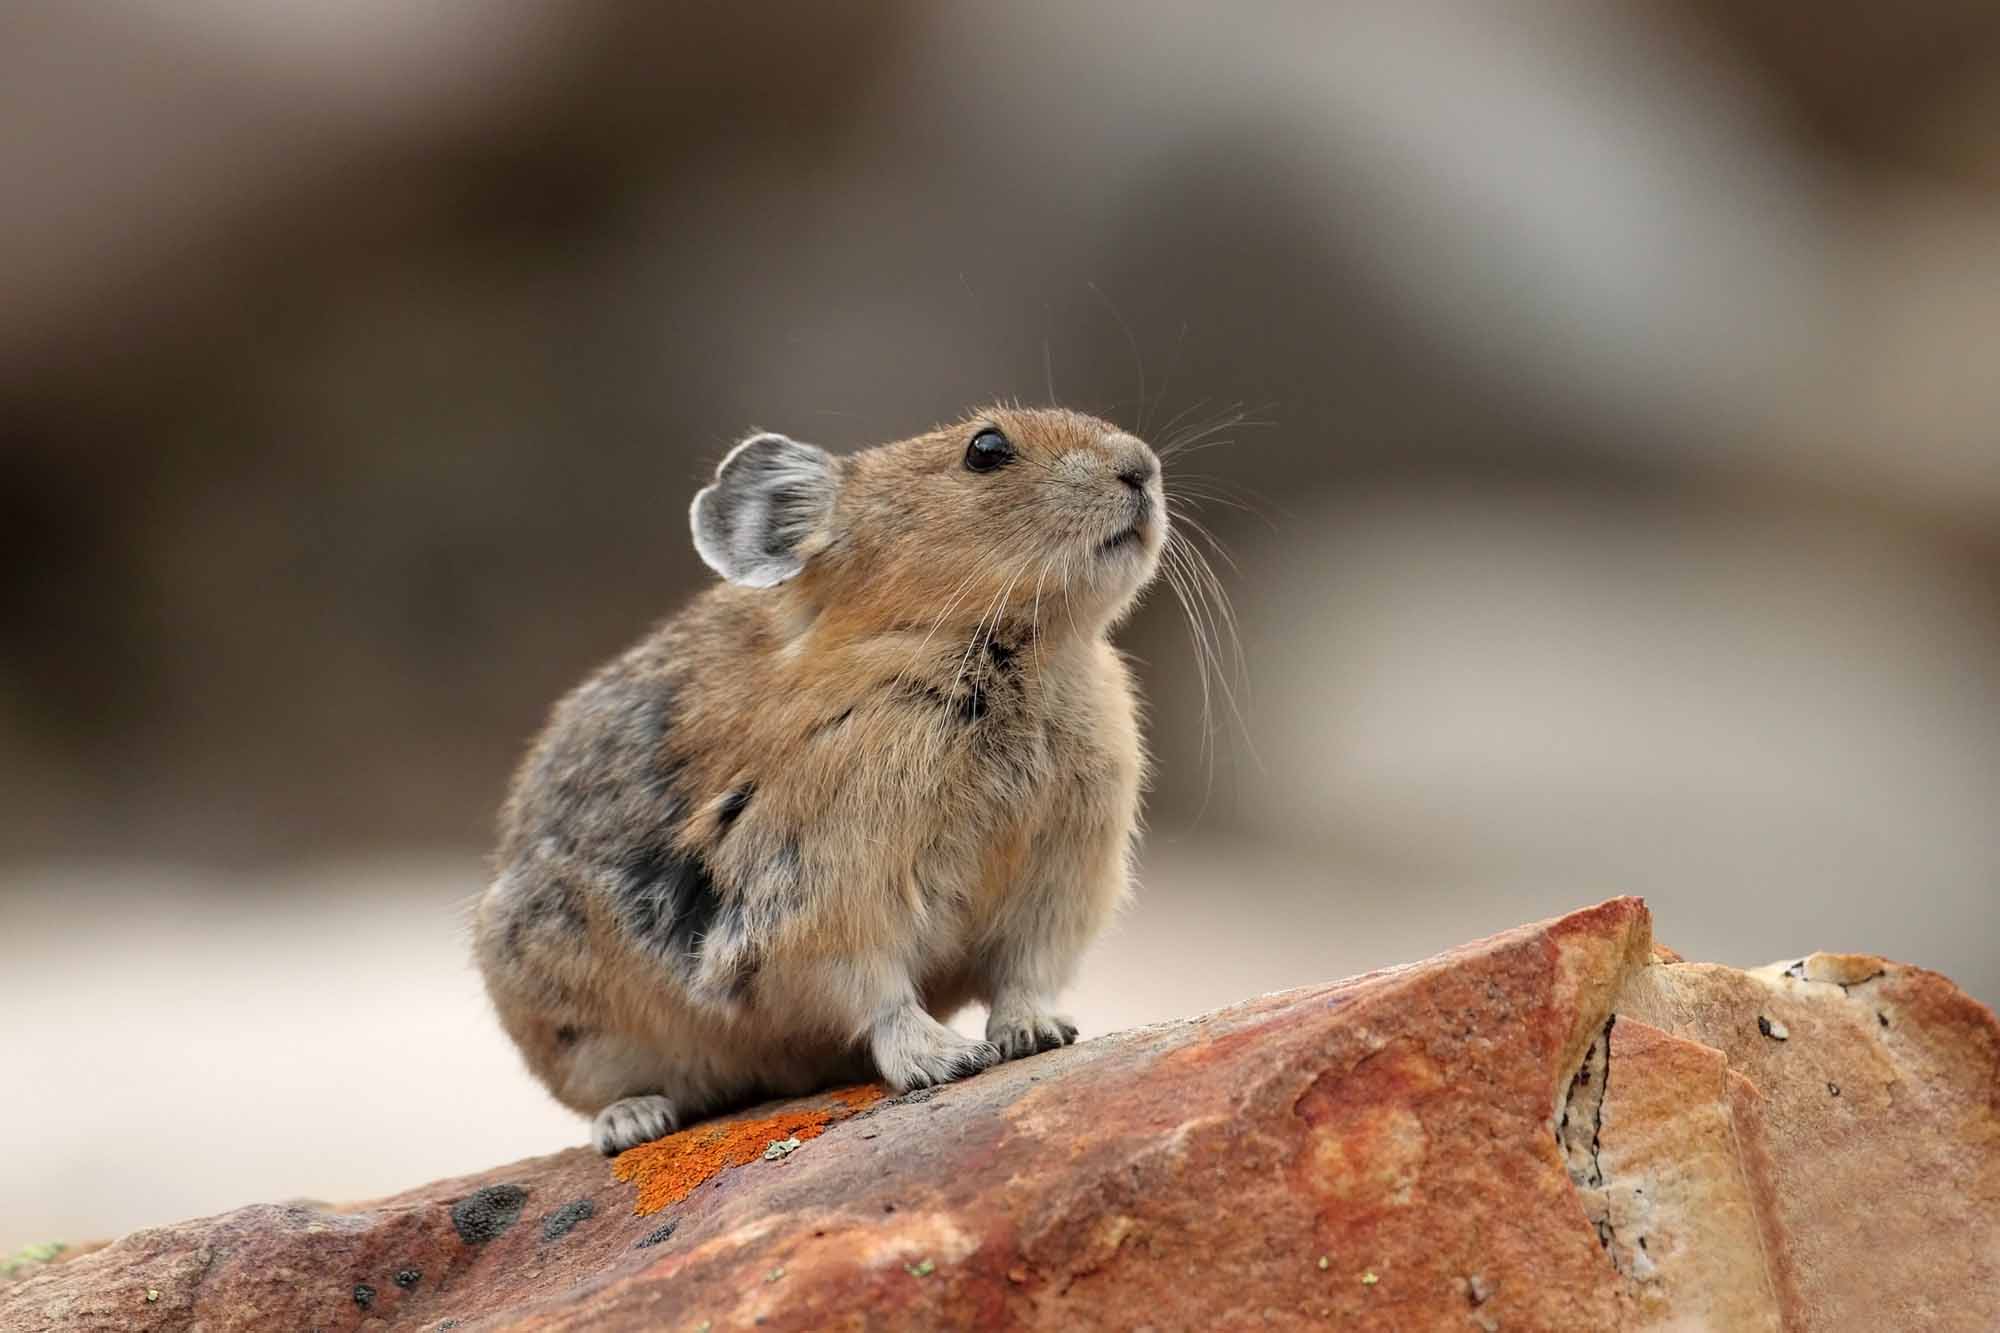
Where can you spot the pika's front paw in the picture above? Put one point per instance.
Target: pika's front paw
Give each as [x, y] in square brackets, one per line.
[943, 1063]
[1017, 1034]
[914, 1050]
[631, 1122]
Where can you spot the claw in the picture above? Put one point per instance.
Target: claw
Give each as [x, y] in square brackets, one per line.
[1030, 1035]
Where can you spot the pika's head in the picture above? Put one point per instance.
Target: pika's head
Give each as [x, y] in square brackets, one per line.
[1043, 514]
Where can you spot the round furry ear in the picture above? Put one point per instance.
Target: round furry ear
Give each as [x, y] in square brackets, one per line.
[770, 494]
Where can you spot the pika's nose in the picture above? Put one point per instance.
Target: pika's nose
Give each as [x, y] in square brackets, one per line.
[1137, 472]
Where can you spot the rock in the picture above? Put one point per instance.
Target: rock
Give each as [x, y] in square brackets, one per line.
[1559, 1127]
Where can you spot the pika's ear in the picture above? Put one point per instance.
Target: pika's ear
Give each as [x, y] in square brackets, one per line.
[770, 494]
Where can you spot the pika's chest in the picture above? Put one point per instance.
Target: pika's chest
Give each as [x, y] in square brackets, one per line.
[1008, 729]
[931, 777]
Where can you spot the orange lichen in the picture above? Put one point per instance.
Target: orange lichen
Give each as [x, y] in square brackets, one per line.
[668, 1170]
[859, 1097]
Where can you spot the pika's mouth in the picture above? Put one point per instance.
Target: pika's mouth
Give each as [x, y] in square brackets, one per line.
[1118, 542]
[1138, 517]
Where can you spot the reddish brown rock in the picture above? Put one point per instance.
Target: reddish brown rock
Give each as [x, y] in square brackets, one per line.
[1556, 1128]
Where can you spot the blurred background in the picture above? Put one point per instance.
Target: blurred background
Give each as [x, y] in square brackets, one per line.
[1616, 508]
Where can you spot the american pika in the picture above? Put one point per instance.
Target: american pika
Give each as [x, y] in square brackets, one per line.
[890, 765]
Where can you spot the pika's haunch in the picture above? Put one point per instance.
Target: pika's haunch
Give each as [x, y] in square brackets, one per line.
[889, 766]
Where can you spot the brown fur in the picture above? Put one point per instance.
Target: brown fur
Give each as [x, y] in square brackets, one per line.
[774, 842]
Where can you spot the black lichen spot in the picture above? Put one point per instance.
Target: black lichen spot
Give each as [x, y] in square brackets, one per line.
[486, 1213]
[1882, 1018]
[654, 1237]
[734, 804]
[669, 899]
[364, 1295]
[565, 1219]
[1833, 1089]
[409, 1277]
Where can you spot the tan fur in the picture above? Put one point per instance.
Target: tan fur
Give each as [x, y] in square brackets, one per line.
[942, 763]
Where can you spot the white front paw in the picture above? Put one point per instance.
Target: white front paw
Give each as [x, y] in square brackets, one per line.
[631, 1121]
[941, 1062]
[914, 1050]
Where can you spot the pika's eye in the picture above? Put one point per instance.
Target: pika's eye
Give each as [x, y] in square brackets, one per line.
[989, 449]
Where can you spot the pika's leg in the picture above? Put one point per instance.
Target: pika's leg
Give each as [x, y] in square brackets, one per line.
[864, 1005]
[1069, 891]
[914, 1050]
[628, 1084]
[1024, 970]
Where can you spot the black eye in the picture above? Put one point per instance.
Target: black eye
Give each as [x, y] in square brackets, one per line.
[989, 449]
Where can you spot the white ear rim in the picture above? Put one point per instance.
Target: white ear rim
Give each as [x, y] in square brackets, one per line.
[732, 518]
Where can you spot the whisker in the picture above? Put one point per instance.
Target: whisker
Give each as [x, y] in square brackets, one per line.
[1195, 525]
[1205, 602]
[1208, 434]
[1177, 581]
[1216, 596]
[1131, 341]
[1167, 431]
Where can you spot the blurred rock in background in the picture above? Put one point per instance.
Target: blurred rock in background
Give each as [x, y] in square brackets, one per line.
[1619, 504]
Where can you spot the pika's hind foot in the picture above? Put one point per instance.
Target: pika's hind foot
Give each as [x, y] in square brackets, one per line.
[629, 1122]
[914, 1050]
[1019, 1032]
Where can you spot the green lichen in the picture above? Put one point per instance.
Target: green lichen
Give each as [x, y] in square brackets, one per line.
[31, 1254]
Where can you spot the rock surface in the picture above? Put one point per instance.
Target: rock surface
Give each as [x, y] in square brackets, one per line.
[1560, 1127]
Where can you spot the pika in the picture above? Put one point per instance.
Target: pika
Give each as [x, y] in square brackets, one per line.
[889, 765]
